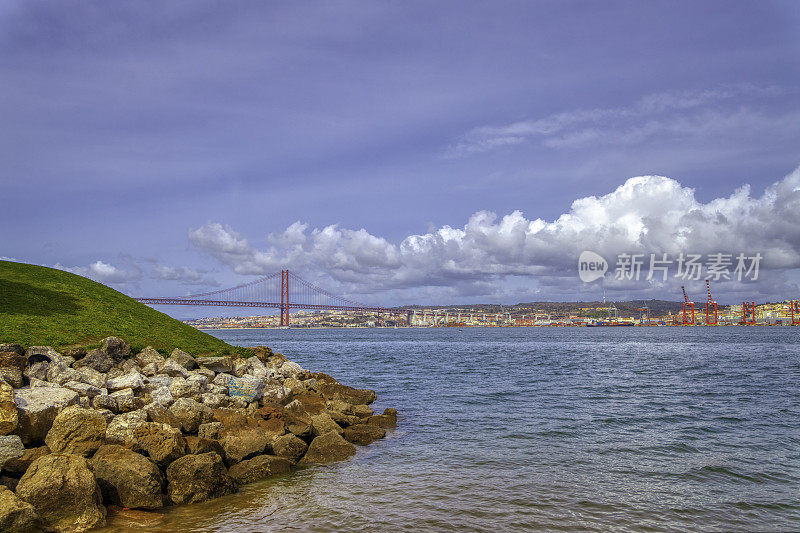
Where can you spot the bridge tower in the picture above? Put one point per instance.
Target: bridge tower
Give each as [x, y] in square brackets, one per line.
[285, 298]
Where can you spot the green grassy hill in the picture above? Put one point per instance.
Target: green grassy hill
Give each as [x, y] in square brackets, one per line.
[45, 306]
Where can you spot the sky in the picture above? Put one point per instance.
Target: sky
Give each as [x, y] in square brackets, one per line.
[402, 152]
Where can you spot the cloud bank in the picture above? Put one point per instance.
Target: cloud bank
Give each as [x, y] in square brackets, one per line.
[489, 254]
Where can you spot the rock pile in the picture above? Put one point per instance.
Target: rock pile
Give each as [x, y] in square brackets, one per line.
[82, 431]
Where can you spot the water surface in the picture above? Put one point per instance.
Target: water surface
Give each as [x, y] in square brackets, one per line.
[518, 429]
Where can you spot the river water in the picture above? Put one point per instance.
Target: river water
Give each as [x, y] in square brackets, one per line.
[518, 429]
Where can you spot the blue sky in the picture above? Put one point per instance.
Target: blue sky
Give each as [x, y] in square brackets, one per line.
[167, 148]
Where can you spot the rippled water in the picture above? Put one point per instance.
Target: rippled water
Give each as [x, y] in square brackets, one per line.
[659, 429]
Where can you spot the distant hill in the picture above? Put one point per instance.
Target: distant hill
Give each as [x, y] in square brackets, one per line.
[45, 306]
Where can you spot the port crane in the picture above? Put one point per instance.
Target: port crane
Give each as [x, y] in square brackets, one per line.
[687, 306]
[709, 304]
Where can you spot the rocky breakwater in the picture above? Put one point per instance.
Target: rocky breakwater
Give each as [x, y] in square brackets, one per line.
[80, 432]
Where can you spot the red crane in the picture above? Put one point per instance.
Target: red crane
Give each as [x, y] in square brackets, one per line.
[749, 307]
[794, 311]
[687, 305]
[711, 303]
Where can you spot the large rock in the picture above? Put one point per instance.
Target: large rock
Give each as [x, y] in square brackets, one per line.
[17, 466]
[37, 371]
[12, 365]
[297, 420]
[190, 413]
[162, 443]
[291, 369]
[131, 380]
[248, 388]
[8, 409]
[184, 359]
[258, 468]
[116, 348]
[173, 369]
[38, 407]
[182, 388]
[242, 443]
[313, 403]
[147, 356]
[328, 448]
[289, 447]
[11, 447]
[386, 420]
[92, 377]
[161, 415]
[323, 423]
[83, 389]
[197, 445]
[163, 396]
[128, 479]
[337, 391]
[63, 490]
[17, 516]
[97, 360]
[363, 434]
[126, 400]
[77, 430]
[197, 478]
[36, 354]
[217, 364]
[120, 430]
[12, 347]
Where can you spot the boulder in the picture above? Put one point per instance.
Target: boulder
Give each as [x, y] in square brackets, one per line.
[158, 381]
[116, 348]
[8, 409]
[242, 443]
[294, 385]
[291, 369]
[97, 360]
[190, 413]
[38, 407]
[128, 479]
[217, 364]
[386, 420]
[173, 369]
[127, 401]
[197, 478]
[120, 430]
[262, 353]
[209, 430]
[342, 419]
[362, 411]
[36, 354]
[61, 373]
[312, 402]
[198, 379]
[161, 415]
[162, 443]
[104, 401]
[63, 491]
[258, 468]
[239, 367]
[163, 396]
[9, 482]
[131, 380]
[17, 516]
[222, 380]
[37, 371]
[363, 434]
[213, 401]
[256, 368]
[183, 359]
[11, 447]
[289, 447]
[11, 366]
[148, 356]
[196, 445]
[92, 377]
[337, 391]
[328, 448]
[296, 419]
[77, 431]
[323, 423]
[182, 388]
[83, 389]
[247, 388]
[18, 465]
[12, 347]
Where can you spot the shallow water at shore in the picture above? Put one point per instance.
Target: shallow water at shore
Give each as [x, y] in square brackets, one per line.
[630, 429]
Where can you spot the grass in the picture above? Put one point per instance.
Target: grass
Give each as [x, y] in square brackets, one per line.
[45, 306]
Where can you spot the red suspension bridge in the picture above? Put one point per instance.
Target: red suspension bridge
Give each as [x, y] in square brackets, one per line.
[282, 290]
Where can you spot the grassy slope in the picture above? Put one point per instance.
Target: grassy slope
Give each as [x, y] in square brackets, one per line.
[45, 306]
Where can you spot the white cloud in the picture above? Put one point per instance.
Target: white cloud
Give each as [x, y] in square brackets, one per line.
[669, 113]
[185, 275]
[646, 214]
[105, 272]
